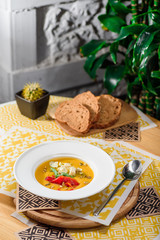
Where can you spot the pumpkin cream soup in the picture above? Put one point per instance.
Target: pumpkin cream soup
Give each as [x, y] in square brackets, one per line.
[64, 173]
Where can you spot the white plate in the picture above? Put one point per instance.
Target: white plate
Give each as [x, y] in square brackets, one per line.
[100, 162]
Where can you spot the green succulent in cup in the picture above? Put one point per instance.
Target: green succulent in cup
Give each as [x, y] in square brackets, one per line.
[32, 91]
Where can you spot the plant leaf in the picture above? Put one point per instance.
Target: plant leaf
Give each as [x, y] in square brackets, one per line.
[149, 83]
[144, 40]
[158, 110]
[131, 84]
[149, 52]
[110, 11]
[89, 63]
[112, 23]
[119, 7]
[155, 16]
[92, 47]
[133, 29]
[113, 75]
[113, 51]
[152, 14]
[155, 74]
[159, 52]
[150, 87]
[130, 46]
[97, 63]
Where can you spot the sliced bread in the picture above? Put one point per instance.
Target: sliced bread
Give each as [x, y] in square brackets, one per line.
[88, 100]
[110, 109]
[75, 115]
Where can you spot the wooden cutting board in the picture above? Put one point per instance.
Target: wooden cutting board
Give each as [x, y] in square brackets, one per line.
[64, 220]
[128, 114]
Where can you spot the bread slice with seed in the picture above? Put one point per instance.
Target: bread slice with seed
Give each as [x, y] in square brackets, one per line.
[90, 101]
[75, 115]
[110, 110]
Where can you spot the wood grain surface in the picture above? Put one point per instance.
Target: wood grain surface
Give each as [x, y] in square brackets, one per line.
[127, 110]
[64, 220]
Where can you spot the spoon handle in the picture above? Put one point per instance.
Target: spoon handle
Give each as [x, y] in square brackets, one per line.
[100, 208]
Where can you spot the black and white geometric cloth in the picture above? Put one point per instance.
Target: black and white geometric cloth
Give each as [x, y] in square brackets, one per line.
[29, 201]
[43, 232]
[148, 204]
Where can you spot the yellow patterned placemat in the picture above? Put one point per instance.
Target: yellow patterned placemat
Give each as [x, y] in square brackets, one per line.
[2, 132]
[147, 228]
[121, 154]
[145, 122]
[10, 116]
[18, 139]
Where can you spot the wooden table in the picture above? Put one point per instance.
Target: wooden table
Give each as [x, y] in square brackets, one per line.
[150, 141]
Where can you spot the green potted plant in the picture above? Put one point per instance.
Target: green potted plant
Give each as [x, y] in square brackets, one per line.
[137, 48]
[32, 100]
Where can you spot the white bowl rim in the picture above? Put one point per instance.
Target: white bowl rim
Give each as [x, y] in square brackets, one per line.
[96, 185]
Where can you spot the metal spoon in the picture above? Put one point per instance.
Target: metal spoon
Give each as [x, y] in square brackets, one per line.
[131, 171]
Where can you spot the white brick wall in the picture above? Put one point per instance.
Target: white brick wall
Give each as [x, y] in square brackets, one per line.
[40, 41]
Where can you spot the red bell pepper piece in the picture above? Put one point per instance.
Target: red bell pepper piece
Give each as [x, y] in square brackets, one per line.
[58, 180]
[50, 179]
[72, 181]
[68, 184]
[67, 180]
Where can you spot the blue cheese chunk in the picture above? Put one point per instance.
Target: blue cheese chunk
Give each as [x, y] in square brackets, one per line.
[79, 170]
[72, 171]
[62, 169]
[67, 165]
[53, 164]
